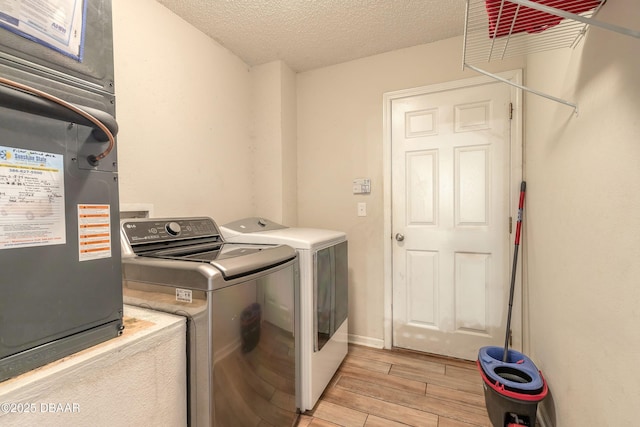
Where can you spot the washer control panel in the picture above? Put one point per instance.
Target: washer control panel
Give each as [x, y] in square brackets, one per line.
[140, 231]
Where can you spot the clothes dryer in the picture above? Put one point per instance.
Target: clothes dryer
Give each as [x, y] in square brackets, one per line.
[322, 255]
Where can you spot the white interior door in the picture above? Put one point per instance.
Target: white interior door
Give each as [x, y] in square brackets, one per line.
[450, 171]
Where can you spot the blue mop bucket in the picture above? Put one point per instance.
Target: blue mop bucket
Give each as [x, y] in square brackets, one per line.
[512, 389]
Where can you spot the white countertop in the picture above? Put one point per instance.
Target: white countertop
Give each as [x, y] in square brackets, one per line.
[139, 377]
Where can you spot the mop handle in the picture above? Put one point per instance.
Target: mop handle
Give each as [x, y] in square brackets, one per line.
[523, 187]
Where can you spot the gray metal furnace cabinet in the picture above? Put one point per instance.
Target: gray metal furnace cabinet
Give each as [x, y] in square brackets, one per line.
[60, 259]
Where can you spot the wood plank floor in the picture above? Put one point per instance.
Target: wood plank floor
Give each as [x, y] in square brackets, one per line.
[394, 388]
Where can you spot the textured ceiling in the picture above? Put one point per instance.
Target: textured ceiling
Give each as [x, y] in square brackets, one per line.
[308, 34]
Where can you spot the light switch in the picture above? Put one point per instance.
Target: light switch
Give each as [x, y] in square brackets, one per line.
[362, 209]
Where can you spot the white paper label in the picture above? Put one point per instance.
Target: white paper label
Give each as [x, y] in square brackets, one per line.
[32, 209]
[183, 295]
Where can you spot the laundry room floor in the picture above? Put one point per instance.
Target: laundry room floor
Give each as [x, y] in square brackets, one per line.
[392, 388]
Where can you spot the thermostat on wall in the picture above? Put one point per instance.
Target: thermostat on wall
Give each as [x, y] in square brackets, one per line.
[362, 186]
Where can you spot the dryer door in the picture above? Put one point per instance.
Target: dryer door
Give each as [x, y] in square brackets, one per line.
[331, 292]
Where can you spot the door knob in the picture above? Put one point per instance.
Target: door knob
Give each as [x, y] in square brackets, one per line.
[399, 237]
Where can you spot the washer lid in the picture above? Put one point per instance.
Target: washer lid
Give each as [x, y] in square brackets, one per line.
[231, 259]
[240, 260]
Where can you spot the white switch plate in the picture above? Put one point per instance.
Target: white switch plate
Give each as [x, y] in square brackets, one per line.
[362, 209]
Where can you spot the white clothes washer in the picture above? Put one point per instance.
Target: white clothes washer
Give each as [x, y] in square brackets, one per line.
[323, 295]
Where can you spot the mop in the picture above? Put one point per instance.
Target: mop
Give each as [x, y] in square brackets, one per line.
[513, 385]
[523, 187]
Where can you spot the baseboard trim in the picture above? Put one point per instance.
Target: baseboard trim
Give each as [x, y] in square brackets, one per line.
[366, 341]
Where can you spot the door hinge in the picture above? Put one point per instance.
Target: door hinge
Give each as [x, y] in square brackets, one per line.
[511, 111]
[510, 224]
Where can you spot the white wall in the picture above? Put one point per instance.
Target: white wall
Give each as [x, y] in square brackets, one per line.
[274, 142]
[340, 138]
[289, 148]
[183, 104]
[200, 132]
[582, 234]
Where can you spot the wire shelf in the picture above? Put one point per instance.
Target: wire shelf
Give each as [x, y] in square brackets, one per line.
[499, 29]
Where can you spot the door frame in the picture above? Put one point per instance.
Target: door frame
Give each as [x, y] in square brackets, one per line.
[516, 175]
